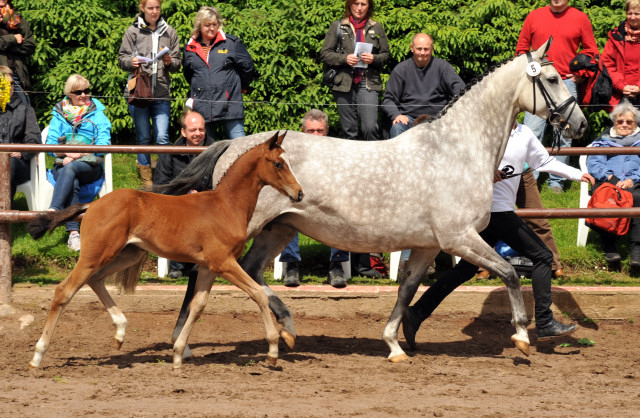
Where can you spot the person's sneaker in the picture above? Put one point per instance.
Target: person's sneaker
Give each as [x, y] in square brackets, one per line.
[554, 329]
[336, 275]
[292, 275]
[634, 259]
[74, 242]
[175, 274]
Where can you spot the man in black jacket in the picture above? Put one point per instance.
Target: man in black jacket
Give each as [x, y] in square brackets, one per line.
[170, 165]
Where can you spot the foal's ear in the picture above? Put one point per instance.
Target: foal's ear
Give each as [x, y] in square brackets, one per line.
[277, 139]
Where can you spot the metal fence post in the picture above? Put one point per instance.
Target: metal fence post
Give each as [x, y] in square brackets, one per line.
[5, 231]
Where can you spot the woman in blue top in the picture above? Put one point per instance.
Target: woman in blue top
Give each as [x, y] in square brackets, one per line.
[620, 170]
[71, 170]
[218, 68]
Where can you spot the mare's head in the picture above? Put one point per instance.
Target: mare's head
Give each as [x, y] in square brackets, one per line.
[544, 94]
[274, 169]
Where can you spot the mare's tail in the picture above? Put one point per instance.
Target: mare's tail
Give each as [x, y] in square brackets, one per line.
[198, 173]
[127, 279]
[49, 220]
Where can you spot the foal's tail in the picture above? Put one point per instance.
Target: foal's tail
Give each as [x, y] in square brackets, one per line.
[198, 173]
[127, 279]
[49, 220]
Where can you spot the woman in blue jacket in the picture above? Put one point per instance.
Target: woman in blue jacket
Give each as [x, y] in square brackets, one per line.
[79, 112]
[218, 68]
[620, 170]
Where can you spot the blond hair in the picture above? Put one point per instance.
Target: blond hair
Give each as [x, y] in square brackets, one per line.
[75, 82]
[144, 3]
[204, 15]
[631, 3]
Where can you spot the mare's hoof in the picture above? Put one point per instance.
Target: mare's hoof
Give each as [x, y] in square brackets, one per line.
[272, 360]
[399, 358]
[117, 343]
[288, 338]
[410, 326]
[523, 346]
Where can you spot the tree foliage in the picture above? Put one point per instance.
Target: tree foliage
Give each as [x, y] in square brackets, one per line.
[284, 39]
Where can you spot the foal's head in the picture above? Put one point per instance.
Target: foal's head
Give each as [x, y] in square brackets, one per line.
[274, 170]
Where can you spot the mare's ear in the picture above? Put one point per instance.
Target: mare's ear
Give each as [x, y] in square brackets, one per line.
[277, 139]
[539, 54]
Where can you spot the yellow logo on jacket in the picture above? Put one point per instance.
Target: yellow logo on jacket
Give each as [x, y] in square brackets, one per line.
[223, 51]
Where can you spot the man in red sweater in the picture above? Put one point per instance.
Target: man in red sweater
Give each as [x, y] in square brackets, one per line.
[571, 31]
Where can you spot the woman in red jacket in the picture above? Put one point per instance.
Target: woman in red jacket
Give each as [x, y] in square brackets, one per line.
[621, 56]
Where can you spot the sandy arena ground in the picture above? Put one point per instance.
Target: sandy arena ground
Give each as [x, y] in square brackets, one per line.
[465, 364]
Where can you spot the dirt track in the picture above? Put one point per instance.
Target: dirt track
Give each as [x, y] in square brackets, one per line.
[464, 366]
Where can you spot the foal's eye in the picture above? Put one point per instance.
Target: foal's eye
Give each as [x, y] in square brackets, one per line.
[278, 164]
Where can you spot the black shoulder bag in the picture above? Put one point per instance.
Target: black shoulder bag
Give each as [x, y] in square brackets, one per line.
[330, 72]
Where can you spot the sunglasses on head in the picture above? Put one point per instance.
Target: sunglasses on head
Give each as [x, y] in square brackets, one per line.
[86, 91]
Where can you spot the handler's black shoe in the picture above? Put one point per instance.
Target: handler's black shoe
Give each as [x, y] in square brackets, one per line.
[554, 329]
[336, 275]
[634, 259]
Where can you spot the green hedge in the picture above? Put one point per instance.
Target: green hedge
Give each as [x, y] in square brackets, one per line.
[284, 39]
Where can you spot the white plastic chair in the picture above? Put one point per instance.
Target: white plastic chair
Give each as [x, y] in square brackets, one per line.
[45, 189]
[583, 229]
[30, 188]
[163, 267]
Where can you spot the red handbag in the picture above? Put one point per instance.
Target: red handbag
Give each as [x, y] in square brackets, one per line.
[610, 196]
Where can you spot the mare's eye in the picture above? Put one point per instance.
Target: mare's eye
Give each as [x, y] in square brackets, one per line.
[553, 80]
[278, 164]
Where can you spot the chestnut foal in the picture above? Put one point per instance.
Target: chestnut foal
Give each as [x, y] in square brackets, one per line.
[208, 228]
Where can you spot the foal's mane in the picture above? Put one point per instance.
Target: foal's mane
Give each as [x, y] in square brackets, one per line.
[469, 86]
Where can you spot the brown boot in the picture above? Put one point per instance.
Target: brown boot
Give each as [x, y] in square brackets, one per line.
[145, 176]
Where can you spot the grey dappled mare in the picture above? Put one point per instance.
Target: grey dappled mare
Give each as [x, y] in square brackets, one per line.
[427, 189]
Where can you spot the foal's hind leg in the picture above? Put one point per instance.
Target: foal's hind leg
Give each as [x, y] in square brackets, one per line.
[472, 248]
[61, 297]
[419, 262]
[128, 257]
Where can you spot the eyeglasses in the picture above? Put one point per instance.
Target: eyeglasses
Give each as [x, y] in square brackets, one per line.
[86, 91]
[625, 121]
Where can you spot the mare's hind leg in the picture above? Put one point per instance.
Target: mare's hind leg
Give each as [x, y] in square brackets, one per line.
[419, 262]
[472, 248]
[128, 257]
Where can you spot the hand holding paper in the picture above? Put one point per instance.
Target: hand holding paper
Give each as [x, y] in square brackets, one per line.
[362, 48]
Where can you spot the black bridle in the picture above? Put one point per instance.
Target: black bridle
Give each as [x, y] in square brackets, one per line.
[555, 111]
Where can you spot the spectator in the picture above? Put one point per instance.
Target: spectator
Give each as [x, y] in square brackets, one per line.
[147, 36]
[571, 30]
[621, 56]
[356, 86]
[17, 44]
[314, 122]
[78, 113]
[620, 170]
[423, 84]
[505, 225]
[18, 124]
[219, 68]
[170, 165]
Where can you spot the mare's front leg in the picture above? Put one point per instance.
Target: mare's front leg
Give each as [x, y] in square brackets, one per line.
[419, 262]
[476, 251]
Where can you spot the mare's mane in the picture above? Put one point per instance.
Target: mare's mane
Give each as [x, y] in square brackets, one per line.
[469, 86]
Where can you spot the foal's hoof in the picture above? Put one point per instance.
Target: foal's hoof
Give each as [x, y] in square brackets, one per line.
[117, 343]
[288, 338]
[523, 346]
[398, 358]
[272, 360]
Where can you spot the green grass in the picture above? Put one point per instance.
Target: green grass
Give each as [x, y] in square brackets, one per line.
[49, 261]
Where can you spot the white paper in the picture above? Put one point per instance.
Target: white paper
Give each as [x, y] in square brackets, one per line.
[145, 60]
[362, 47]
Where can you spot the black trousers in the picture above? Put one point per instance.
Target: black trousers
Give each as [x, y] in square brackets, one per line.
[20, 173]
[508, 227]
